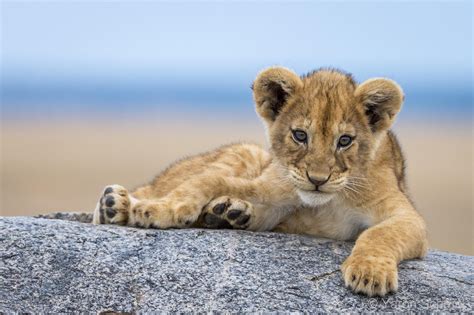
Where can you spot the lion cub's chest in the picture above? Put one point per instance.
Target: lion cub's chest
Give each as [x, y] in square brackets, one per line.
[335, 221]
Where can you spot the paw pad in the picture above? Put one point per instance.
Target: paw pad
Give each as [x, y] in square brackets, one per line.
[216, 222]
[109, 201]
[243, 220]
[226, 213]
[219, 208]
[113, 206]
[110, 212]
[234, 214]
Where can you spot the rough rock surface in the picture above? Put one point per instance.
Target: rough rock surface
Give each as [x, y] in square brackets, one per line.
[61, 266]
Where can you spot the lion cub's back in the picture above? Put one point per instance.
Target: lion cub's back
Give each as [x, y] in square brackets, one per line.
[244, 160]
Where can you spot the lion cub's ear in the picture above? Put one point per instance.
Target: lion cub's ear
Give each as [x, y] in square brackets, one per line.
[382, 100]
[271, 90]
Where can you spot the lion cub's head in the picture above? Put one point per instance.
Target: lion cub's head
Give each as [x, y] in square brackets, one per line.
[324, 127]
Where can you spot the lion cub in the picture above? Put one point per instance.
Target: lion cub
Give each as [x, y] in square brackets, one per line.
[334, 170]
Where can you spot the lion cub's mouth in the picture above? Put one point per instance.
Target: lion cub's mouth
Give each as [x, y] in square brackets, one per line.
[328, 188]
[314, 191]
[315, 197]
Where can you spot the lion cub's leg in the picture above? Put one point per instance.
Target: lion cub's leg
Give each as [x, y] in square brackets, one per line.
[113, 206]
[222, 212]
[226, 213]
[163, 213]
[181, 208]
[194, 205]
[372, 266]
[184, 206]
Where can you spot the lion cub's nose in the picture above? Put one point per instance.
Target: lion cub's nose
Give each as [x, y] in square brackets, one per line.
[318, 179]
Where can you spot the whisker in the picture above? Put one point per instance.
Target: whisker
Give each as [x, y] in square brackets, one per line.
[358, 182]
[349, 192]
[358, 178]
[353, 189]
[359, 185]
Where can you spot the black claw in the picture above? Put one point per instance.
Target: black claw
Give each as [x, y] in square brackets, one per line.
[219, 208]
[110, 212]
[109, 201]
[353, 278]
[108, 190]
[215, 222]
[243, 220]
[366, 282]
[234, 214]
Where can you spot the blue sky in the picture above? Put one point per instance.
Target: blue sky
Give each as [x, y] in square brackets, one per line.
[423, 45]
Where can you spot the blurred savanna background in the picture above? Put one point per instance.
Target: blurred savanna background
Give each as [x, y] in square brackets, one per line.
[102, 92]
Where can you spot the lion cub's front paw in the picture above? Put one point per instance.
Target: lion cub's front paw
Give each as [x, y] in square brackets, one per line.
[113, 206]
[370, 275]
[227, 213]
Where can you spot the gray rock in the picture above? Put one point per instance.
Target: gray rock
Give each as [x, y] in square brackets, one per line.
[62, 266]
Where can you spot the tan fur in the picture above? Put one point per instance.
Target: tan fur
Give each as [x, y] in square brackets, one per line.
[314, 187]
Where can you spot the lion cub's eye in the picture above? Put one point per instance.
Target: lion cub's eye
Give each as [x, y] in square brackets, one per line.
[344, 141]
[299, 135]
